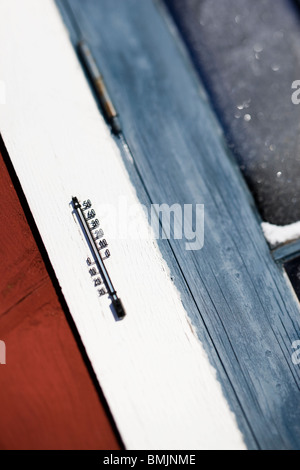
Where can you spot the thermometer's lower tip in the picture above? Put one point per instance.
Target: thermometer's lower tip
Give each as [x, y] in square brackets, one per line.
[120, 311]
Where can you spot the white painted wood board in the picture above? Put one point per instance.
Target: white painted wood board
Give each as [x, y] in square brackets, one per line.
[157, 380]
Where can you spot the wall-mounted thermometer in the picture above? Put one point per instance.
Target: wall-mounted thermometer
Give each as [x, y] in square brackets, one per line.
[88, 224]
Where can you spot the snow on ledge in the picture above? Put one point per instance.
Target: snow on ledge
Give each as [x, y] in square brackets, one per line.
[278, 235]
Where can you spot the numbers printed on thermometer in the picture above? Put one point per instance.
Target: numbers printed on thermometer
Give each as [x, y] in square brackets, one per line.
[99, 252]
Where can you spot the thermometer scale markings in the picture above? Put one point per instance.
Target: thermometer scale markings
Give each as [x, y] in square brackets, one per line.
[98, 259]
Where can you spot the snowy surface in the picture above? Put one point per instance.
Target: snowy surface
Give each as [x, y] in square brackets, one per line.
[278, 235]
[249, 58]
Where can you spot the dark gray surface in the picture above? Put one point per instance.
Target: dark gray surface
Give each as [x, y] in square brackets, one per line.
[293, 270]
[248, 53]
[236, 296]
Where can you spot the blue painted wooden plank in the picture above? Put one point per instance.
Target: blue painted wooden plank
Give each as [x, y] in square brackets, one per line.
[287, 252]
[245, 311]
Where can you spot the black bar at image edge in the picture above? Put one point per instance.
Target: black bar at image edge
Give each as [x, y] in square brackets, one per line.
[104, 459]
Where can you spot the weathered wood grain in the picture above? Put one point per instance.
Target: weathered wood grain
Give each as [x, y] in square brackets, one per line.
[245, 305]
[47, 398]
[152, 368]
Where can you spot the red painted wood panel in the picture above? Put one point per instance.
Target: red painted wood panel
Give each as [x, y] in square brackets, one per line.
[47, 397]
